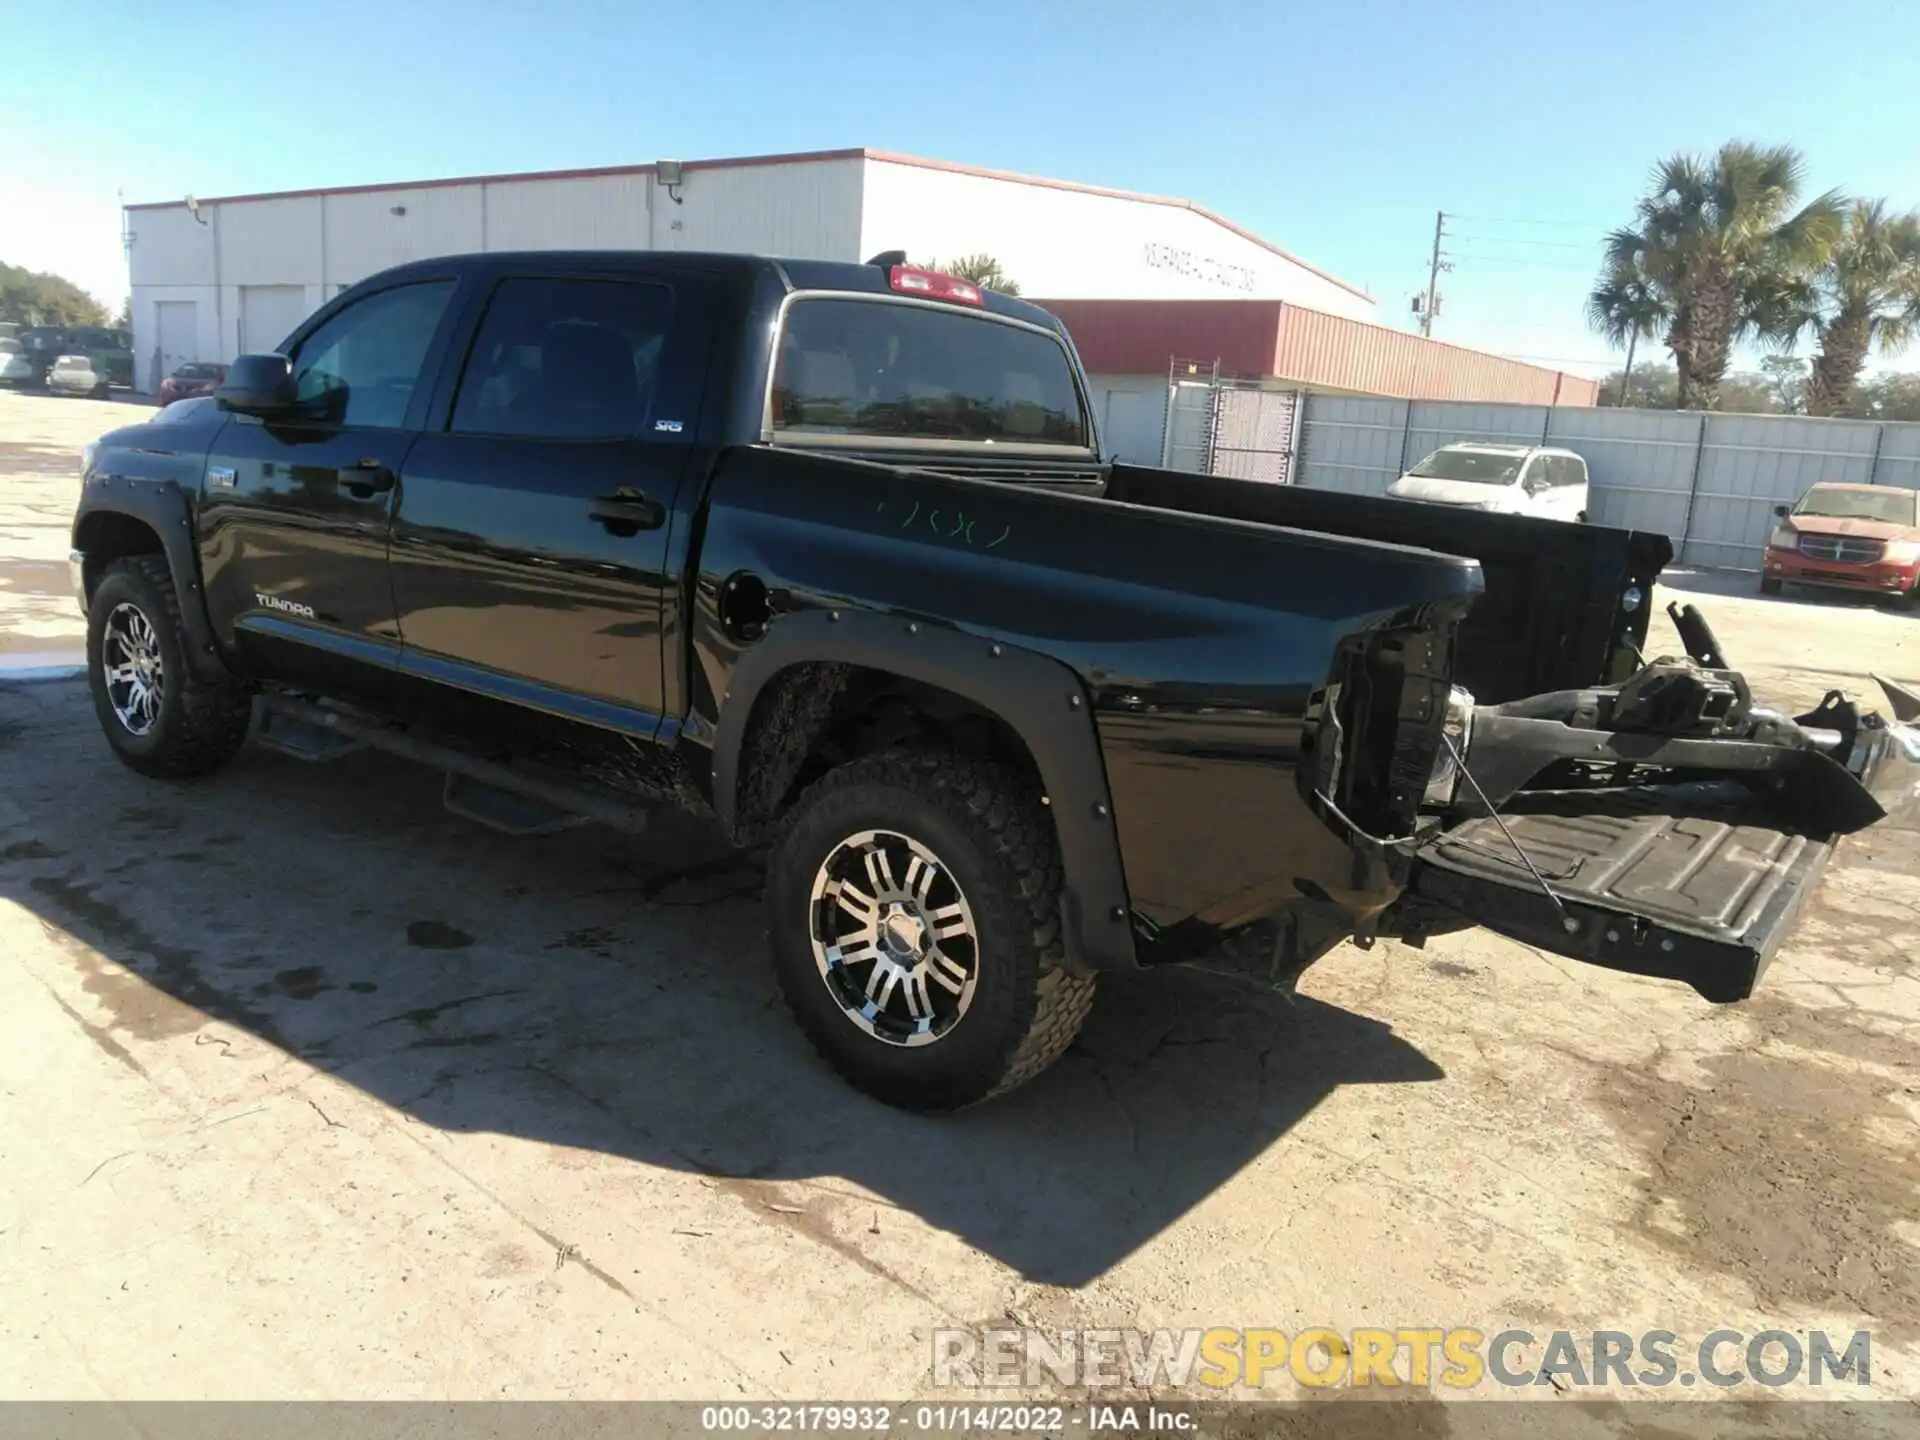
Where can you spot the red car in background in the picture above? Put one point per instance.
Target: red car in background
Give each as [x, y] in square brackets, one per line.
[197, 377]
[1851, 537]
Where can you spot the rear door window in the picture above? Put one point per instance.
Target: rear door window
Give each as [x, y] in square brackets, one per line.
[566, 360]
[884, 369]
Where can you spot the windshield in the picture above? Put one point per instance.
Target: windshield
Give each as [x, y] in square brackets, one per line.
[9, 346]
[1892, 505]
[883, 368]
[197, 372]
[1483, 467]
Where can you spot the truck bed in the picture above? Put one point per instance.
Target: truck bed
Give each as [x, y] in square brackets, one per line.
[1531, 632]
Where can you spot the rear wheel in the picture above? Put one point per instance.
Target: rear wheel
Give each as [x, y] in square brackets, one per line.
[914, 903]
[159, 717]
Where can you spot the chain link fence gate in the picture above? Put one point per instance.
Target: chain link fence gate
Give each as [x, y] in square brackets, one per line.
[1227, 427]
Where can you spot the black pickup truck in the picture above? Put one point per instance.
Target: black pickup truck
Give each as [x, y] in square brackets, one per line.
[830, 552]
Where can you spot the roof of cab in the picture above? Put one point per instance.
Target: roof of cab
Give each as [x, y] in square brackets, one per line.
[799, 274]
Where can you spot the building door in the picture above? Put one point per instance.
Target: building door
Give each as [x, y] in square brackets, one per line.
[176, 339]
[268, 315]
[1133, 424]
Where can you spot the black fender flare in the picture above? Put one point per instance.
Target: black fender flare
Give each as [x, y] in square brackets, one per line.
[1044, 702]
[162, 507]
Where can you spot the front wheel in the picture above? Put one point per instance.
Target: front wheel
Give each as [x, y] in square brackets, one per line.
[1769, 586]
[913, 898]
[160, 718]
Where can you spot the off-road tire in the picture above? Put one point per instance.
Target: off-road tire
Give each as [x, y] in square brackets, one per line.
[201, 724]
[1769, 586]
[987, 824]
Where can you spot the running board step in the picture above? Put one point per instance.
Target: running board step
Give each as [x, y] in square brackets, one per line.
[507, 797]
[296, 736]
[504, 810]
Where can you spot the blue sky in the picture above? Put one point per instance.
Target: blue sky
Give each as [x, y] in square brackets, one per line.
[1334, 129]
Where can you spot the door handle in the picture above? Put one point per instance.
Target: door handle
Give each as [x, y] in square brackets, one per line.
[365, 480]
[627, 513]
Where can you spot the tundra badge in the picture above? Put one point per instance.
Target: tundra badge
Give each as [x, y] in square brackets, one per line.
[291, 607]
[220, 477]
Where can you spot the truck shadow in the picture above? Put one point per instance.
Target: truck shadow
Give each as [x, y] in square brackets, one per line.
[611, 994]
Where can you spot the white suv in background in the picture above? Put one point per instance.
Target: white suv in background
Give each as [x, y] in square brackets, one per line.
[1510, 479]
[15, 368]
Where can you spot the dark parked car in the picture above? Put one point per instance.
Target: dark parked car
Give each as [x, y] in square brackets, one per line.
[110, 350]
[197, 377]
[829, 553]
[41, 346]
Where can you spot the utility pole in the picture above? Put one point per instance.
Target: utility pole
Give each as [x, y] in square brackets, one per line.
[1433, 275]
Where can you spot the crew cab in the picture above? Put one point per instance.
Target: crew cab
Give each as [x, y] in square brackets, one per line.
[829, 552]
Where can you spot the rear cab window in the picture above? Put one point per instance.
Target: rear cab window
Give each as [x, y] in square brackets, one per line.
[878, 371]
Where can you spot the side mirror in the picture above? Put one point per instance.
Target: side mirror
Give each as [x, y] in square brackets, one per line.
[1781, 511]
[257, 385]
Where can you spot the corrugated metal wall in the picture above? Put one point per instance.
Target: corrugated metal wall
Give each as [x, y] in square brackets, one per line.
[1707, 481]
[1354, 443]
[604, 212]
[1899, 462]
[320, 242]
[1267, 340]
[1329, 351]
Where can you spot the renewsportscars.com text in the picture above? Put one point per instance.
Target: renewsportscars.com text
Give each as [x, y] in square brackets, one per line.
[1459, 1358]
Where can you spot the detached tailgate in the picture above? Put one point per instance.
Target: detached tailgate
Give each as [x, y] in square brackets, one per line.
[1698, 882]
[1685, 883]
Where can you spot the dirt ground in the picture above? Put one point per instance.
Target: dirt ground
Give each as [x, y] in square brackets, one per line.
[314, 1090]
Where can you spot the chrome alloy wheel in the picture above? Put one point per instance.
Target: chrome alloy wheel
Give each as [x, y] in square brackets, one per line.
[130, 659]
[893, 937]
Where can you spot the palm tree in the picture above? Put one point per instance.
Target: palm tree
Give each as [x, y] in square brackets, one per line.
[1624, 307]
[1718, 240]
[1865, 297]
[982, 270]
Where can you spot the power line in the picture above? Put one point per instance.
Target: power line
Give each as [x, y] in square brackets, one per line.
[1523, 260]
[1518, 240]
[1518, 220]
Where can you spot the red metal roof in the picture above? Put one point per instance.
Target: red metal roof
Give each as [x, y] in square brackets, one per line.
[1267, 339]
